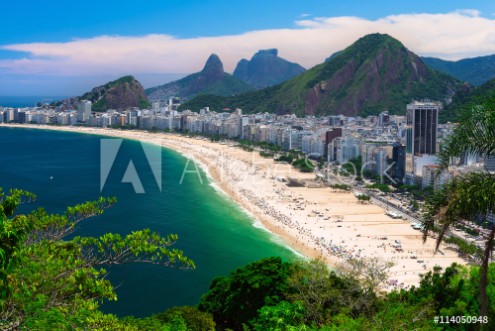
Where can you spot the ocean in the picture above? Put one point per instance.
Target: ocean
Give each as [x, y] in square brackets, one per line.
[63, 169]
[27, 101]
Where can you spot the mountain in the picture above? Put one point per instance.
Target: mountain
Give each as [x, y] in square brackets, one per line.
[332, 56]
[475, 71]
[123, 93]
[375, 73]
[211, 80]
[266, 69]
[466, 100]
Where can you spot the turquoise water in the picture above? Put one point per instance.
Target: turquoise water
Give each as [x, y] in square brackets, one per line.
[62, 168]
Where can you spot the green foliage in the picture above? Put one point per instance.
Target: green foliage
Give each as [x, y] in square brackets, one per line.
[321, 162]
[417, 192]
[466, 197]
[414, 205]
[321, 300]
[50, 283]
[353, 166]
[194, 319]
[444, 290]
[139, 246]
[363, 197]
[13, 230]
[266, 154]
[324, 294]
[199, 85]
[346, 80]
[470, 196]
[143, 103]
[395, 316]
[228, 86]
[247, 148]
[285, 158]
[466, 229]
[235, 299]
[56, 284]
[465, 248]
[466, 100]
[102, 97]
[475, 133]
[382, 187]
[343, 187]
[284, 316]
[476, 71]
[145, 324]
[304, 165]
[217, 137]
[269, 146]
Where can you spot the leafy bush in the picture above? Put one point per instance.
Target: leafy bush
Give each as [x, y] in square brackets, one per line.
[382, 187]
[235, 299]
[266, 154]
[343, 187]
[194, 319]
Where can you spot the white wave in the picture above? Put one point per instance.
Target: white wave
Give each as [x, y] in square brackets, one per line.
[277, 239]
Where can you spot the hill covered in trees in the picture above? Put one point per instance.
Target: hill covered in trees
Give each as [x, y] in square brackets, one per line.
[374, 74]
[476, 70]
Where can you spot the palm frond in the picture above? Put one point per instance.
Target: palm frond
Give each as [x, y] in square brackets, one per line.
[474, 134]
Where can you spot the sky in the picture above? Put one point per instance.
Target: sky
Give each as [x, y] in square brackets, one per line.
[66, 48]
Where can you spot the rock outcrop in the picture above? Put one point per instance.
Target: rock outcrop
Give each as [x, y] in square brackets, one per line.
[266, 69]
[211, 80]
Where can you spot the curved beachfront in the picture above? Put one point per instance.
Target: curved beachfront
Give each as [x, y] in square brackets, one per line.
[318, 222]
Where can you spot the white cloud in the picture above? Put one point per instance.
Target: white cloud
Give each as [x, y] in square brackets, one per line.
[469, 12]
[455, 35]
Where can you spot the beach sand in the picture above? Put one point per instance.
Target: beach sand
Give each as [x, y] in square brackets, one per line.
[317, 222]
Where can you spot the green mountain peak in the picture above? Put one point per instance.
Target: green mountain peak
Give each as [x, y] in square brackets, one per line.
[374, 74]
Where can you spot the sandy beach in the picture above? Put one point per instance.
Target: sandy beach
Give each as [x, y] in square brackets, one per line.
[318, 222]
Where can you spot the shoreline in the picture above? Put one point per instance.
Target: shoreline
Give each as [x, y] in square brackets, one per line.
[316, 222]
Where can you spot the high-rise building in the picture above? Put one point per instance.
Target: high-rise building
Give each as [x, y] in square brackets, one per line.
[8, 115]
[347, 149]
[383, 118]
[331, 135]
[421, 133]
[399, 161]
[84, 111]
[380, 164]
[335, 121]
[21, 117]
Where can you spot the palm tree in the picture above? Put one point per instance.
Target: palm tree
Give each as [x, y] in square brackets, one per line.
[469, 197]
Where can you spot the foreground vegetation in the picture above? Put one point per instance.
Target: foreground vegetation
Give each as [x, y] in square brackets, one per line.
[49, 283]
[471, 196]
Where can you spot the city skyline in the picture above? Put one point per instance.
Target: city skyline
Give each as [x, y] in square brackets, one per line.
[84, 47]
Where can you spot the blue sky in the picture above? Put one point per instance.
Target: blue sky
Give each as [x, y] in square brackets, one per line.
[60, 47]
[64, 20]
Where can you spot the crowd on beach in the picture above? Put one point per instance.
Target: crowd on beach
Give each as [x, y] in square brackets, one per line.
[309, 221]
[254, 184]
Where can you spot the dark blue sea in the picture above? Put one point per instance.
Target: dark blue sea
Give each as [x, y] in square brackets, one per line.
[63, 169]
[27, 101]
